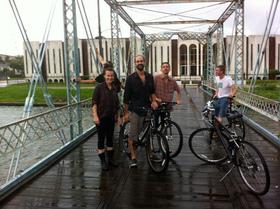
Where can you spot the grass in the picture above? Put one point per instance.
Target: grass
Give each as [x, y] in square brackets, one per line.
[17, 93]
[266, 88]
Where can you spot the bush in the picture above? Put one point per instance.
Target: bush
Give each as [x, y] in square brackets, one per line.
[273, 73]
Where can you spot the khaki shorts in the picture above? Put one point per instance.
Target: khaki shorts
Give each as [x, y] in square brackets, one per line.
[136, 124]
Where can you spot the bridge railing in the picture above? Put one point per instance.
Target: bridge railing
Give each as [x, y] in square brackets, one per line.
[262, 105]
[32, 141]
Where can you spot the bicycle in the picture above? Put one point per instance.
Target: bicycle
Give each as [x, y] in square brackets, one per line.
[234, 118]
[232, 149]
[155, 143]
[170, 129]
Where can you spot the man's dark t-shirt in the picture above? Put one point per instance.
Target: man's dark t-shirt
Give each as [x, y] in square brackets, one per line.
[137, 94]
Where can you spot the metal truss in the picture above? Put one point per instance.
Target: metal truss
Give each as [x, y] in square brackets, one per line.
[72, 65]
[147, 2]
[210, 70]
[226, 14]
[132, 48]
[239, 43]
[120, 11]
[150, 38]
[178, 22]
[115, 39]
[220, 39]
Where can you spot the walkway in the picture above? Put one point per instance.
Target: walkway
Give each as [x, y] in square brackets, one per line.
[77, 182]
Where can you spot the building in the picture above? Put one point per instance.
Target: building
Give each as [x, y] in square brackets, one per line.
[186, 57]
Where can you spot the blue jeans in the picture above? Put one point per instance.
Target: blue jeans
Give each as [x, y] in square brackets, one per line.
[221, 106]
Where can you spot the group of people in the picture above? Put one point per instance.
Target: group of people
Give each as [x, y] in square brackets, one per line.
[141, 90]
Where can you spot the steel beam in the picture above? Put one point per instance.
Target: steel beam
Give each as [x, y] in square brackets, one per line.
[239, 43]
[120, 11]
[148, 2]
[210, 70]
[178, 22]
[72, 65]
[220, 39]
[115, 38]
[226, 14]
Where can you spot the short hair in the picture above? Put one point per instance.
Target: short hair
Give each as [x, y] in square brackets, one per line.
[222, 68]
[139, 55]
[107, 65]
[165, 63]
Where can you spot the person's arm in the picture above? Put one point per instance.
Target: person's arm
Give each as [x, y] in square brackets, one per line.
[126, 99]
[233, 90]
[95, 101]
[178, 93]
[153, 97]
[95, 115]
[99, 57]
[79, 80]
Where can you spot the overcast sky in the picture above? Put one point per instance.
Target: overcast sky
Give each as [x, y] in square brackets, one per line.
[34, 14]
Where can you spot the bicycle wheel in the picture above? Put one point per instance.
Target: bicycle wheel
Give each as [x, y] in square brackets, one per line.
[157, 151]
[123, 136]
[174, 136]
[207, 147]
[252, 168]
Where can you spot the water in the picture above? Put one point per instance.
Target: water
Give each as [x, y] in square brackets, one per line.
[10, 114]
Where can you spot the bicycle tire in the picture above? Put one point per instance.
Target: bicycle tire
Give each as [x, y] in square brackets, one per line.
[157, 151]
[252, 168]
[207, 148]
[174, 137]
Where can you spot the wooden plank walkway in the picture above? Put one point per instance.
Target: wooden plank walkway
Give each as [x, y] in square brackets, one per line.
[78, 182]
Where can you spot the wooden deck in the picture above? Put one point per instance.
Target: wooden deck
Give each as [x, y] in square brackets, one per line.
[78, 182]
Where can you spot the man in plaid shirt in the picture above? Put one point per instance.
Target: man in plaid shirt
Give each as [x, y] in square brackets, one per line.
[165, 86]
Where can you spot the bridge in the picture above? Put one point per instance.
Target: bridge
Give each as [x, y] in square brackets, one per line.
[49, 160]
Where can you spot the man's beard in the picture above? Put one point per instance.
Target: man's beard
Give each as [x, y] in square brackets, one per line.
[140, 67]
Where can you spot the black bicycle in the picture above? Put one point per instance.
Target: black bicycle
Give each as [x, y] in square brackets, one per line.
[233, 149]
[155, 143]
[234, 118]
[170, 129]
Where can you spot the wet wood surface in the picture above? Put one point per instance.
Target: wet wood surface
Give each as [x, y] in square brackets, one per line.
[77, 181]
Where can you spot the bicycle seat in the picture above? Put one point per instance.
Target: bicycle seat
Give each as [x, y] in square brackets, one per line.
[234, 115]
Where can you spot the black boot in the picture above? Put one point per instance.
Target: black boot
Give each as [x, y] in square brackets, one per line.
[111, 161]
[104, 164]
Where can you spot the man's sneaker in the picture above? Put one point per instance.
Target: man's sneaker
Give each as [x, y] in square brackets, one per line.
[133, 163]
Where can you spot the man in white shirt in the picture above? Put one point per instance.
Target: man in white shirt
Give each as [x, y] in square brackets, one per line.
[225, 90]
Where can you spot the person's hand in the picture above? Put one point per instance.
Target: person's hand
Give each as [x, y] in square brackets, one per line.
[154, 105]
[158, 100]
[126, 117]
[179, 101]
[96, 120]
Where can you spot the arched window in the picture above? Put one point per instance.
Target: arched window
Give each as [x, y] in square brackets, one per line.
[193, 56]
[183, 60]
[204, 57]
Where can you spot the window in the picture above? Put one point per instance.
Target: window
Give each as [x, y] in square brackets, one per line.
[54, 64]
[161, 54]
[26, 61]
[168, 54]
[183, 60]
[251, 57]
[193, 56]
[48, 56]
[60, 63]
[278, 57]
[155, 59]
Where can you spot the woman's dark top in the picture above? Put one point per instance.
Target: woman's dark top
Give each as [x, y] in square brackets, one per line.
[116, 83]
[106, 99]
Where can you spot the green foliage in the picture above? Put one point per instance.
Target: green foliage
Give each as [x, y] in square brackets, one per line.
[17, 93]
[267, 88]
[273, 73]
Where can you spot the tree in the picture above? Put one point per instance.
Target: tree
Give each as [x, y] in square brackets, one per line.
[17, 63]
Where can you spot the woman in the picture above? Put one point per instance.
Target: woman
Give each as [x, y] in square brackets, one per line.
[105, 108]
